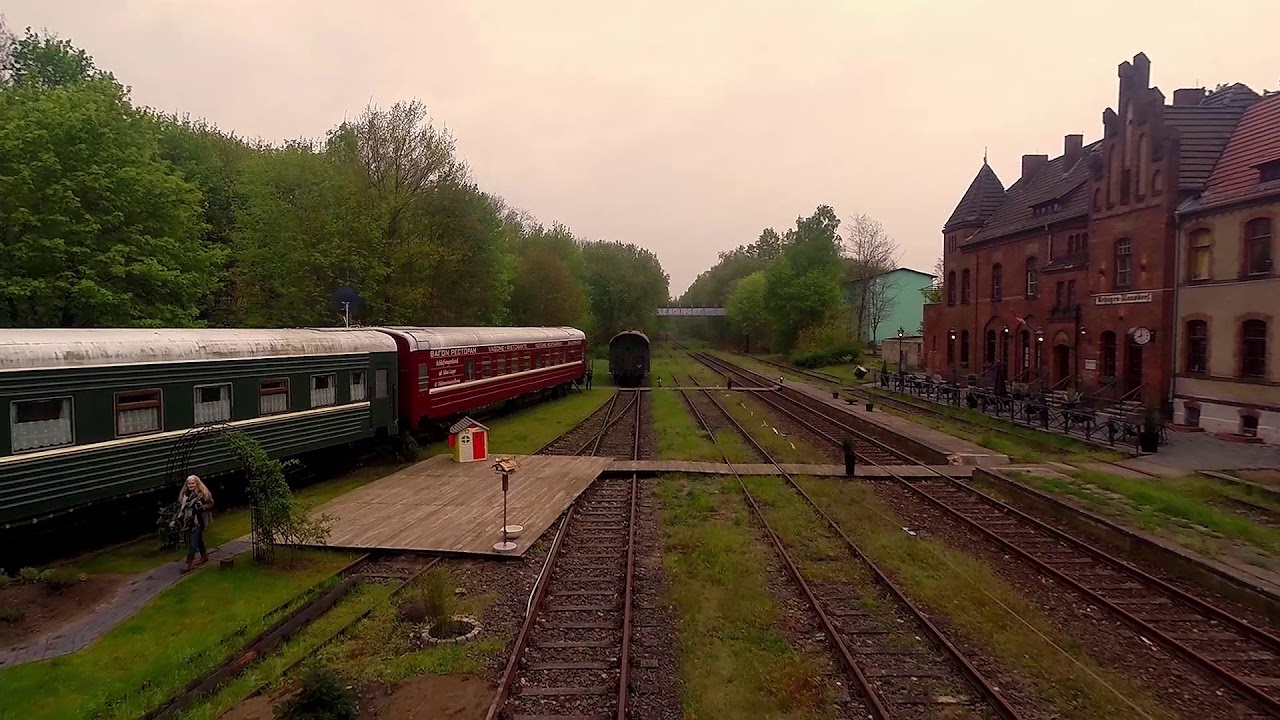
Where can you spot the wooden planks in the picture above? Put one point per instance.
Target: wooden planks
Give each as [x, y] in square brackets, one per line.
[438, 505]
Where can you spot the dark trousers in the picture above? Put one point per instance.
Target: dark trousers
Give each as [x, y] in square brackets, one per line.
[196, 544]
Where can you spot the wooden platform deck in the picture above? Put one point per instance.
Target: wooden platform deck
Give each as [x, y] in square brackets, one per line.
[441, 506]
[662, 467]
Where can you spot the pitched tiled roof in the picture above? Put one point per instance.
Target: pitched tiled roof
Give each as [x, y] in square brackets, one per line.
[984, 195]
[1203, 131]
[1256, 140]
[1052, 182]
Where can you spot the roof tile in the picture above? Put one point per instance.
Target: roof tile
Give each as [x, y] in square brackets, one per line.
[1204, 129]
[984, 196]
[1054, 181]
[1256, 140]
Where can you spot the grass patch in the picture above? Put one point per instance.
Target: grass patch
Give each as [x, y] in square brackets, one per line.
[183, 633]
[734, 656]
[524, 431]
[982, 608]
[1186, 509]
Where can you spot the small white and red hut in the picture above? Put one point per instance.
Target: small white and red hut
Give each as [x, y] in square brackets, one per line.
[469, 440]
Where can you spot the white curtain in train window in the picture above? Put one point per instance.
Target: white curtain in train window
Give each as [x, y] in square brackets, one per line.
[139, 420]
[359, 390]
[213, 404]
[41, 424]
[273, 402]
[323, 390]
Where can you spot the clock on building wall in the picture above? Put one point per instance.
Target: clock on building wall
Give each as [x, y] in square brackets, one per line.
[1141, 335]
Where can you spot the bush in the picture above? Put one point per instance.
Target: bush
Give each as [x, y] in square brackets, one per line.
[61, 579]
[323, 696]
[31, 576]
[11, 615]
[4, 580]
[828, 356]
[168, 526]
[828, 343]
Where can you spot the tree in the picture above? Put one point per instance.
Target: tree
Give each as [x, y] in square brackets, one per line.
[625, 284]
[549, 287]
[933, 293]
[748, 312]
[803, 284]
[96, 228]
[872, 253]
[46, 61]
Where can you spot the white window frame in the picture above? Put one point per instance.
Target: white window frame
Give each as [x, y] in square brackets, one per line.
[287, 389]
[13, 423]
[115, 406]
[196, 403]
[326, 396]
[359, 390]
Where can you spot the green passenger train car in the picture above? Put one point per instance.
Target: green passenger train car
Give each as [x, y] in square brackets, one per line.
[97, 414]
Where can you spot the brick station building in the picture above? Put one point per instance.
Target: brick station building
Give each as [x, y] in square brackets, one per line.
[1067, 276]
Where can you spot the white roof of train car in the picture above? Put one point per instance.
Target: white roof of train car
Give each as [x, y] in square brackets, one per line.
[439, 338]
[61, 347]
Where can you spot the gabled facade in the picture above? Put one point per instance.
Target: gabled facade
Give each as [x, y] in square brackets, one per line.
[896, 302]
[1067, 277]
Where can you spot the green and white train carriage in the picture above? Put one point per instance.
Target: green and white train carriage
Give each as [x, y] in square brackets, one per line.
[94, 414]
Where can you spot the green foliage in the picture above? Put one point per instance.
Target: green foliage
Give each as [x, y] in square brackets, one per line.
[281, 520]
[437, 597]
[625, 284]
[31, 576]
[323, 696]
[828, 343]
[168, 525]
[43, 60]
[748, 312]
[12, 615]
[803, 286]
[62, 579]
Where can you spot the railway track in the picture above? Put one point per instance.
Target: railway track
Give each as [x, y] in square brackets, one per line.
[881, 652]
[1240, 655]
[572, 656]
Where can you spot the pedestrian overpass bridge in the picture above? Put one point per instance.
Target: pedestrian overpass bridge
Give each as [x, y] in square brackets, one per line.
[691, 312]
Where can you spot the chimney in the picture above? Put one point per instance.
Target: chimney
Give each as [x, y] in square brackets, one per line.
[1072, 150]
[1188, 96]
[1031, 165]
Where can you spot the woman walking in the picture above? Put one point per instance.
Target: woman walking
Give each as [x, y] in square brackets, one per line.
[195, 509]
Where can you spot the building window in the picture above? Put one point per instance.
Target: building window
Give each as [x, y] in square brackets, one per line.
[1191, 415]
[1157, 186]
[359, 388]
[273, 396]
[964, 347]
[1033, 279]
[37, 424]
[1201, 254]
[989, 351]
[137, 412]
[213, 404]
[964, 287]
[1197, 346]
[324, 390]
[1254, 355]
[951, 288]
[1249, 425]
[1108, 343]
[997, 282]
[1258, 239]
[1060, 295]
[1071, 294]
[1124, 264]
[1269, 171]
[382, 385]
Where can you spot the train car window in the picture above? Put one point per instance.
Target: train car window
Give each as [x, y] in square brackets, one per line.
[502, 366]
[358, 389]
[213, 403]
[273, 396]
[484, 368]
[380, 388]
[422, 377]
[37, 424]
[138, 412]
[324, 390]
[471, 369]
[528, 362]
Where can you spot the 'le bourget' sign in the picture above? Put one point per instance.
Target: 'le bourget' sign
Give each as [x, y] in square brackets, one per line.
[1123, 298]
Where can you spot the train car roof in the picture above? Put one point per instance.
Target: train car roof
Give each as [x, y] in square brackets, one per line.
[63, 347]
[439, 338]
[629, 332]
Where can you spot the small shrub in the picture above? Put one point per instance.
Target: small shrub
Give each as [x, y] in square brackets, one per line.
[414, 611]
[11, 615]
[323, 696]
[168, 526]
[61, 579]
[5, 580]
[437, 597]
[31, 576]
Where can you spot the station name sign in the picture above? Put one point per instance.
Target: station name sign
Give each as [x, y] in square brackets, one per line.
[1128, 298]
[691, 312]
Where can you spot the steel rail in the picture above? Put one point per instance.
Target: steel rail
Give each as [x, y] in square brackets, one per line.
[1247, 630]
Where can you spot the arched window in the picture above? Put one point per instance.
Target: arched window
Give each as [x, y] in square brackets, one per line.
[964, 347]
[1157, 183]
[1097, 199]
[1201, 258]
[1257, 236]
[997, 282]
[1108, 345]
[1253, 355]
[951, 350]
[989, 350]
[951, 287]
[1033, 278]
[1197, 347]
[964, 287]
[1123, 275]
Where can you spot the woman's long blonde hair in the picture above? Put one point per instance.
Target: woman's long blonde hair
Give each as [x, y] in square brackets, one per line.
[205, 495]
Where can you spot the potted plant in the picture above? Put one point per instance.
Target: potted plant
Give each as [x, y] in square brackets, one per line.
[1071, 398]
[1149, 436]
[1018, 390]
[973, 379]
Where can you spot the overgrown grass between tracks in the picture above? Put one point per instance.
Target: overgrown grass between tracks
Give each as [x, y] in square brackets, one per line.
[735, 658]
[179, 636]
[980, 609]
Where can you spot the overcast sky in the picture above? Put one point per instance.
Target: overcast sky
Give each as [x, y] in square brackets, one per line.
[685, 127]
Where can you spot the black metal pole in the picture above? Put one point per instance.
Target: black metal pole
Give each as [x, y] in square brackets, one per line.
[850, 459]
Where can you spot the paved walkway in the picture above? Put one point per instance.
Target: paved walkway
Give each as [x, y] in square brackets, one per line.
[1188, 452]
[129, 599]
